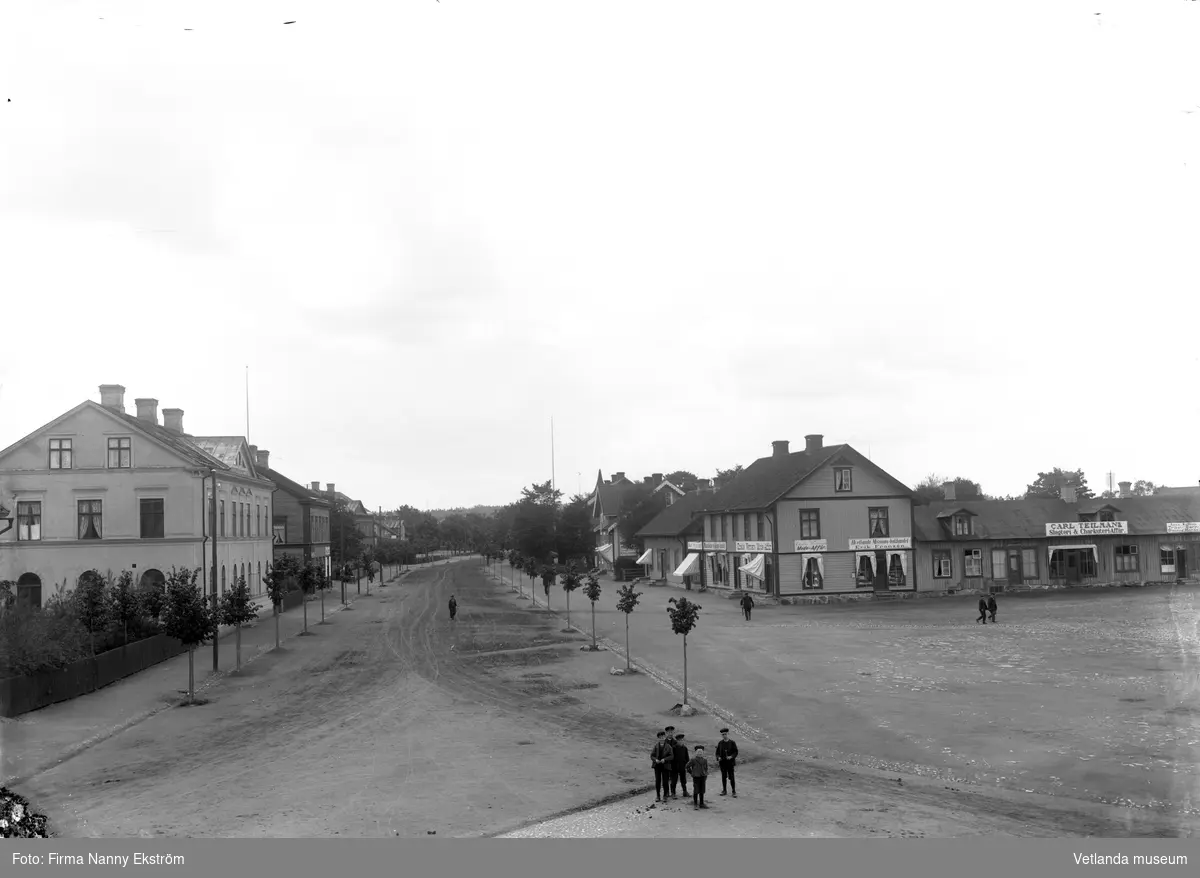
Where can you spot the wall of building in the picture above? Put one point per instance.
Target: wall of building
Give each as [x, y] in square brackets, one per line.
[842, 520]
[864, 483]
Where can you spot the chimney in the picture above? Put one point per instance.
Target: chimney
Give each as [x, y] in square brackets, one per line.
[112, 396]
[1068, 494]
[1125, 488]
[948, 490]
[329, 487]
[617, 477]
[780, 447]
[147, 410]
[262, 458]
[648, 480]
[173, 421]
[813, 442]
[658, 477]
[253, 448]
[316, 486]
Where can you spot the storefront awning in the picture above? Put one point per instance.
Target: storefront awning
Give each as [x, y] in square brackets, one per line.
[1091, 546]
[755, 568]
[605, 551]
[646, 557]
[688, 565]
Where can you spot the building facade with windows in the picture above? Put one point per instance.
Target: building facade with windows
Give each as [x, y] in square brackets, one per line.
[300, 523]
[99, 489]
[605, 502]
[666, 537]
[1006, 545]
[819, 521]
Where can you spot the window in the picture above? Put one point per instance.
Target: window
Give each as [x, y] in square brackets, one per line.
[259, 583]
[152, 519]
[941, 564]
[1126, 559]
[257, 519]
[1087, 563]
[29, 520]
[812, 575]
[1107, 515]
[1166, 559]
[1029, 563]
[91, 519]
[224, 584]
[962, 525]
[747, 534]
[842, 480]
[280, 528]
[119, 453]
[29, 590]
[973, 562]
[222, 518]
[879, 521]
[810, 524]
[721, 518]
[242, 519]
[60, 454]
[1087, 516]
[999, 570]
[762, 534]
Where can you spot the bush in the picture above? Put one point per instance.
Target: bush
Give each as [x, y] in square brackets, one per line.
[33, 641]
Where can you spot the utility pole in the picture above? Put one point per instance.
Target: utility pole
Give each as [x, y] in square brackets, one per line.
[216, 640]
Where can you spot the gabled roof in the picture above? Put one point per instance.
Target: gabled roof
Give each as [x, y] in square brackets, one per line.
[227, 449]
[297, 490]
[665, 484]
[954, 510]
[677, 518]
[1185, 490]
[1027, 519]
[1094, 504]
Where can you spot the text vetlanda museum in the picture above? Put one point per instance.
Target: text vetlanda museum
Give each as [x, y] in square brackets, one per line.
[1125, 860]
[137, 859]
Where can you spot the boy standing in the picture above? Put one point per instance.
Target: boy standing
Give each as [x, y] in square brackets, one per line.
[662, 757]
[680, 764]
[726, 760]
[697, 767]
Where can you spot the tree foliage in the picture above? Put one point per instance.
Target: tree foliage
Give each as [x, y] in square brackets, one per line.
[345, 539]
[639, 505]
[187, 615]
[89, 601]
[281, 572]
[1050, 485]
[124, 608]
[931, 489]
[237, 607]
[684, 615]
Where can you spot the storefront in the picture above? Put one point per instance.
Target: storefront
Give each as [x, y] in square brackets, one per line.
[882, 563]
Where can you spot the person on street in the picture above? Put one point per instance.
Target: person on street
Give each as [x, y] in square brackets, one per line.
[679, 766]
[983, 608]
[727, 753]
[453, 607]
[662, 757]
[747, 605]
[697, 767]
[992, 607]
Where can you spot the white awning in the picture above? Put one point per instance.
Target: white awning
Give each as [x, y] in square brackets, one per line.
[688, 565]
[605, 551]
[647, 557]
[1091, 546]
[755, 568]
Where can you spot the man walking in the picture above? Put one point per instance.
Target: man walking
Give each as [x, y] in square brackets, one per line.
[983, 608]
[453, 607]
[726, 760]
[992, 607]
[697, 767]
[662, 757]
[679, 764]
[747, 605]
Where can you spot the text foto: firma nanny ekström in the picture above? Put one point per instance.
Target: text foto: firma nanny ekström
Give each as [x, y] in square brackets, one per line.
[137, 859]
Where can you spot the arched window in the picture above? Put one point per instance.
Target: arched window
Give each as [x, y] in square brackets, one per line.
[244, 574]
[29, 590]
[258, 585]
[152, 578]
[223, 583]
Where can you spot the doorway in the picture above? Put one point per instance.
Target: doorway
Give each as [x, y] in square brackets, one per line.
[1015, 576]
[881, 571]
[1181, 570]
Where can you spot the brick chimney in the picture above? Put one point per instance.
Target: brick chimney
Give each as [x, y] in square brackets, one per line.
[648, 480]
[617, 477]
[262, 458]
[813, 442]
[147, 410]
[658, 478]
[173, 421]
[329, 487]
[1125, 488]
[780, 448]
[112, 396]
[948, 490]
[316, 486]
[1067, 493]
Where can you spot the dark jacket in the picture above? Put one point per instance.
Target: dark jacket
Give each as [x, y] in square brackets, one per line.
[992, 604]
[982, 604]
[453, 605]
[747, 602]
[681, 757]
[726, 752]
[697, 766]
[662, 754]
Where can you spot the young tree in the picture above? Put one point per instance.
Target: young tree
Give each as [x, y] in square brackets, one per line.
[571, 580]
[546, 572]
[684, 615]
[188, 618]
[123, 604]
[592, 590]
[237, 609]
[89, 603]
[152, 597]
[627, 600]
[1049, 485]
[323, 584]
[279, 573]
[307, 577]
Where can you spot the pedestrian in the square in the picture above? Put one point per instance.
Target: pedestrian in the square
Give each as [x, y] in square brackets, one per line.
[727, 753]
[662, 757]
[679, 764]
[983, 608]
[453, 607]
[747, 605]
[992, 607]
[670, 736]
[697, 767]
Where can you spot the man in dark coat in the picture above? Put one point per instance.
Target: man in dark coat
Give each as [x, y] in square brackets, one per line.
[662, 757]
[679, 764]
[982, 611]
[727, 753]
[747, 605]
[992, 607]
[453, 607]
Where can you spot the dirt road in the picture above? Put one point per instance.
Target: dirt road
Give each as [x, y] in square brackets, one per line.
[393, 720]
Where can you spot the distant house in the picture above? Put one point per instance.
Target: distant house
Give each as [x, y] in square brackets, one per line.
[300, 525]
[666, 539]
[364, 520]
[605, 502]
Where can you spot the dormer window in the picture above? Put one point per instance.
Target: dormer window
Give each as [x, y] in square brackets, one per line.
[1107, 515]
[842, 479]
[962, 526]
[1087, 516]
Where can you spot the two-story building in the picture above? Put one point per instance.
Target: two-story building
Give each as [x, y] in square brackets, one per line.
[99, 489]
[666, 538]
[300, 523]
[819, 521]
[365, 522]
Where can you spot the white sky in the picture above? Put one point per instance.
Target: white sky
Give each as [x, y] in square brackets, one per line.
[961, 236]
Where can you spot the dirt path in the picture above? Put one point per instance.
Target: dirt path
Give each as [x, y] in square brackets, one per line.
[393, 720]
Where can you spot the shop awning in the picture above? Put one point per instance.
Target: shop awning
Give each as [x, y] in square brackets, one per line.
[646, 557]
[688, 565]
[755, 568]
[605, 551]
[1091, 546]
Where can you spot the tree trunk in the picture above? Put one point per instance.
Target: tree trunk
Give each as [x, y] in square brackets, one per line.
[593, 626]
[304, 601]
[276, 606]
[322, 606]
[125, 625]
[685, 669]
[628, 665]
[191, 674]
[568, 609]
[237, 638]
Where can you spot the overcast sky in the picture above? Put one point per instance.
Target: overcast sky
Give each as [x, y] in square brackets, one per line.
[959, 236]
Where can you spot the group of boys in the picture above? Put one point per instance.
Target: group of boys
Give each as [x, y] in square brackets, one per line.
[673, 764]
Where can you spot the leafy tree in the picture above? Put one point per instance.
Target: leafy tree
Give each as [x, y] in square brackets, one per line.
[89, 603]
[152, 597]
[307, 577]
[684, 616]
[322, 583]
[280, 574]
[931, 489]
[535, 520]
[8, 595]
[123, 604]
[725, 476]
[1049, 486]
[639, 506]
[627, 600]
[236, 609]
[188, 618]
[592, 590]
[682, 479]
[571, 580]
[345, 539]
[575, 530]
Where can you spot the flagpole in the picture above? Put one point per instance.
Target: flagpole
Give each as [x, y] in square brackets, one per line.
[247, 404]
[552, 453]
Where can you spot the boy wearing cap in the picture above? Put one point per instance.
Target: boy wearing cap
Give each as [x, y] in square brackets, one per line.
[726, 759]
[679, 764]
[697, 767]
[662, 757]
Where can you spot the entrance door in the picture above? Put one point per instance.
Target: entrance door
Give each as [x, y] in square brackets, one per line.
[662, 563]
[881, 571]
[1072, 565]
[1181, 570]
[1014, 567]
[737, 578]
